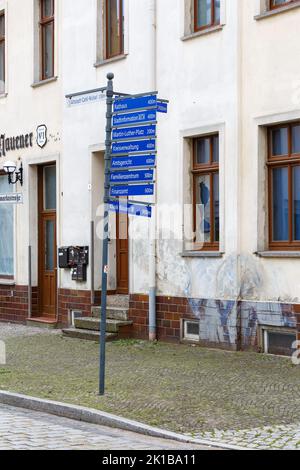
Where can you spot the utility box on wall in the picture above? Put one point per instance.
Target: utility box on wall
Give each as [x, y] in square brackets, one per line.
[75, 258]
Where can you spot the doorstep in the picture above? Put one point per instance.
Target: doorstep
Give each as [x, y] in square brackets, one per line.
[42, 322]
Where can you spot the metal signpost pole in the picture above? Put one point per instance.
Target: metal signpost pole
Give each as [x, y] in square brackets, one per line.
[108, 143]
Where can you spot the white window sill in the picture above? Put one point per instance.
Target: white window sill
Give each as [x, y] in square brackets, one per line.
[277, 11]
[202, 254]
[278, 254]
[203, 32]
[7, 282]
[44, 82]
[99, 63]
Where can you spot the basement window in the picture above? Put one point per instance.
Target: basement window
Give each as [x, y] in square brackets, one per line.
[191, 330]
[279, 341]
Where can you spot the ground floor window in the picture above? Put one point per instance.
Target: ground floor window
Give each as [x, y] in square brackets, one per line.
[6, 233]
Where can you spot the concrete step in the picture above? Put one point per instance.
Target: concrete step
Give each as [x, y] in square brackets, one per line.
[112, 326]
[88, 335]
[120, 301]
[41, 323]
[112, 313]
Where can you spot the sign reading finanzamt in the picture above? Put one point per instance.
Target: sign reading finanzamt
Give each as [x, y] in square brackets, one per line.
[11, 198]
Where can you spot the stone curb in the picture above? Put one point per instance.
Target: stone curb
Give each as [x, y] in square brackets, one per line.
[92, 416]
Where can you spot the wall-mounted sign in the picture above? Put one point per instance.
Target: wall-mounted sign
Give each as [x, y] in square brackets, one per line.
[8, 144]
[87, 98]
[11, 198]
[41, 135]
[23, 141]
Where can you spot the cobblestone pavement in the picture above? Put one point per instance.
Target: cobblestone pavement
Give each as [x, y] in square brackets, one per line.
[28, 430]
[12, 330]
[175, 387]
[277, 438]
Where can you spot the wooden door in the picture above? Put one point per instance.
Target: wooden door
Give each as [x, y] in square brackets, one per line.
[47, 241]
[122, 254]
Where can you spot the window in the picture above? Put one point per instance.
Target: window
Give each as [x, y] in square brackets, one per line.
[114, 28]
[284, 186]
[6, 233]
[47, 38]
[206, 14]
[279, 3]
[191, 330]
[206, 193]
[2, 52]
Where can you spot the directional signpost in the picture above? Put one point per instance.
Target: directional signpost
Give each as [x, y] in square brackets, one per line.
[130, 163]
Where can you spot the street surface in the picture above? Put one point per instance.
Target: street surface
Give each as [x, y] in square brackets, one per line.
[28, 430]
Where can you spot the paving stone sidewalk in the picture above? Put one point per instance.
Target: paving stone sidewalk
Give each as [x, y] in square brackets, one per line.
[253, 399]
[29, 430]
[277, 438]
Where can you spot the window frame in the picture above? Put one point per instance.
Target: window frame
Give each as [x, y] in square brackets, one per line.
[44, 21]
[288, 161]
[212, 168]
[213, 18]
[9, 277]
[3, 41]
[121, 31]
[282, 5]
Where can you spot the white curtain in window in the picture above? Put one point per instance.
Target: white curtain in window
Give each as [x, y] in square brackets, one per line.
[6, 232]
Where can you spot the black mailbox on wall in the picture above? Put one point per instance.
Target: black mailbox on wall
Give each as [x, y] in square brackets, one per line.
[63, 257]
[75, 258]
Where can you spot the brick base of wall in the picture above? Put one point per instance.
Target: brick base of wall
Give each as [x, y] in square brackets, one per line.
[224, 324]
[14, 303]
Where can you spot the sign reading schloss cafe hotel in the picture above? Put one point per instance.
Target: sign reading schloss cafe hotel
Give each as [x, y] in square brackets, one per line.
[22, 141]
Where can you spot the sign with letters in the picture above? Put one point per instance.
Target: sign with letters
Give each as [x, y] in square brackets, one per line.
[127, 133]
[133, 161]
[11, 198]
[139, 117]
[134, 190]
[138, 176]
[124, 148]
[135, 102]
[130, 208]
[41, 136]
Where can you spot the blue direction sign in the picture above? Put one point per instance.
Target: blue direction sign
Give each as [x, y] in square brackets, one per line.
[138, 102]
[162, 106]
[136, 161]
[127, 133]
[139, 117]
[130, 208]
[124, 148]
[138, 176]
[136, 190]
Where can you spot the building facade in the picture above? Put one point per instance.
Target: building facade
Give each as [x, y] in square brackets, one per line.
[223, 266]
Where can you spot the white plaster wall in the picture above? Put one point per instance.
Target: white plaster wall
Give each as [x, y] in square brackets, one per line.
[21, 111]
[270, 92]
[199, 77]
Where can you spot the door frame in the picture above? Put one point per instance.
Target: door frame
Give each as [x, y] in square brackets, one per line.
[120, 290]
[41, 240]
